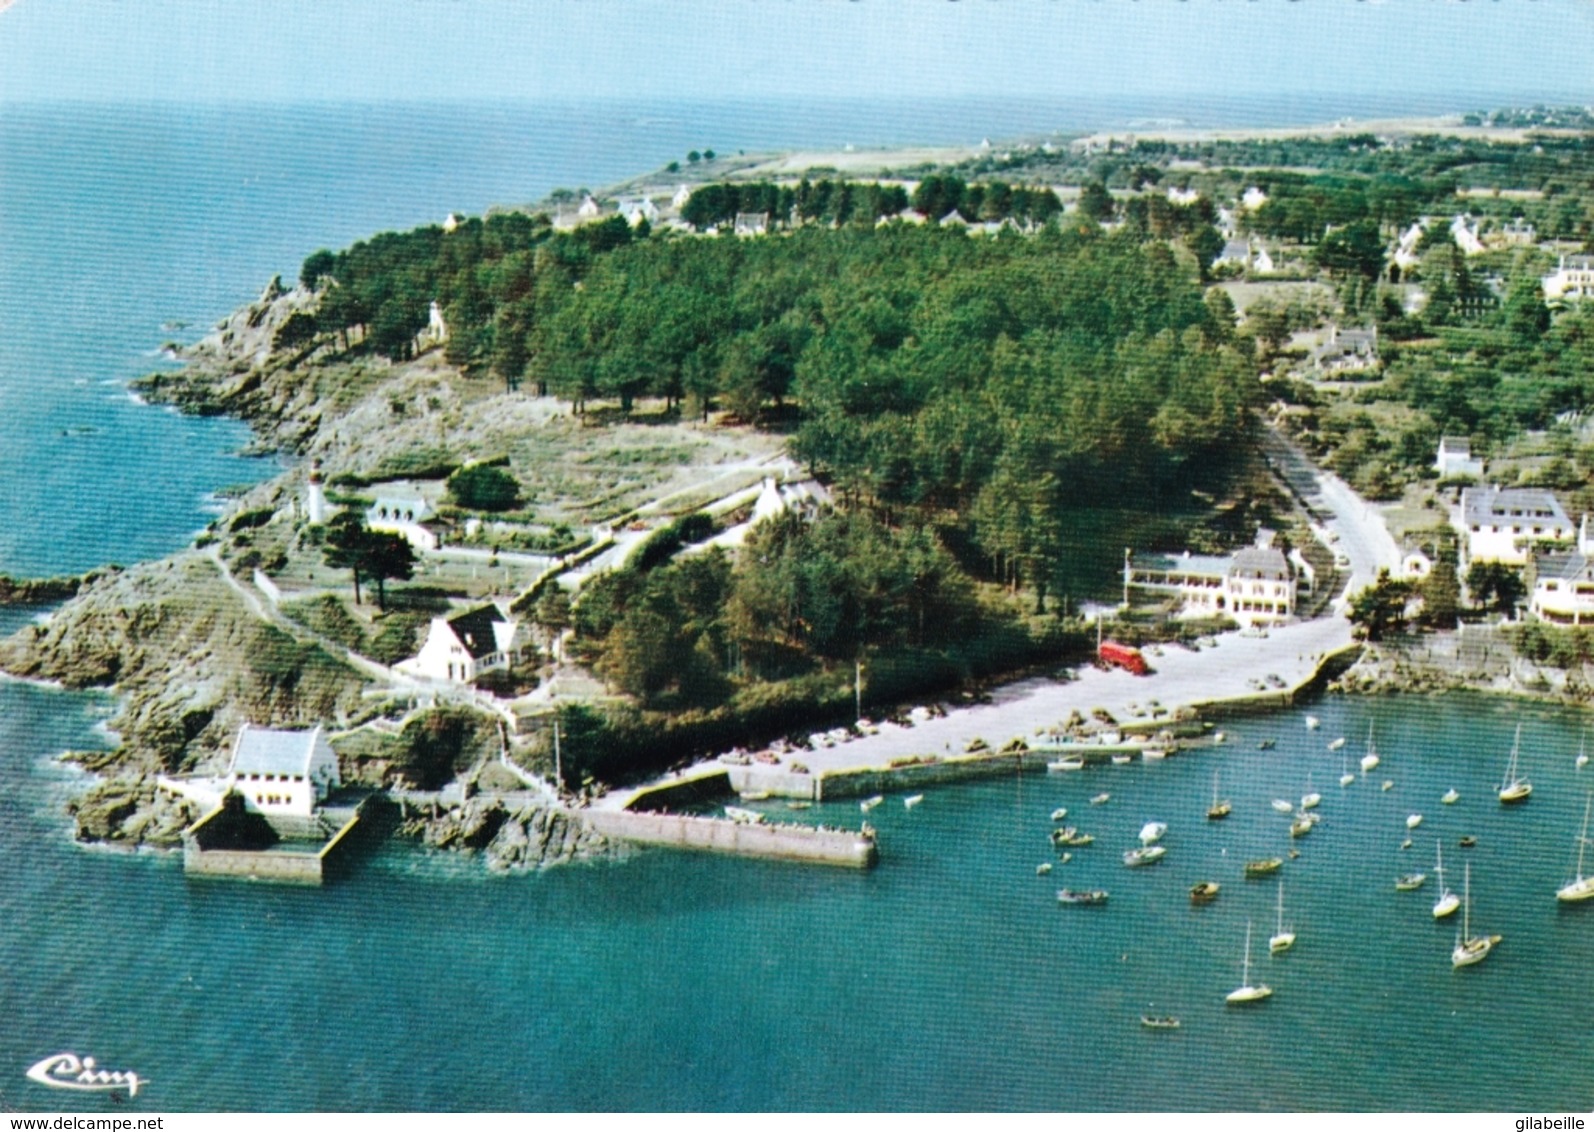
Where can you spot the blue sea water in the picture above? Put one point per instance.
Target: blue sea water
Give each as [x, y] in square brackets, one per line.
[946, 978]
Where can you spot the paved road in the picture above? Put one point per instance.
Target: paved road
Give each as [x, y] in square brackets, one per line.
[1354, 527]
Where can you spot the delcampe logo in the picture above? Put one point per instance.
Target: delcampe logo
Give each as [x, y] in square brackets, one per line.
[68, 1071]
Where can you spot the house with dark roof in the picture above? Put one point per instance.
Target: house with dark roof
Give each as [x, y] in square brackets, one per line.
[1503, 524]
[409, 516]
[1562, 589]
[1347, 351]
[460, 648]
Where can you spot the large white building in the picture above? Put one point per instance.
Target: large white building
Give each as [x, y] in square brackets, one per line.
[282, 772]
[276, 773]
[458, 649]
[1254, 586]
[1563, 584]
[1573, 278]
[1503, 524]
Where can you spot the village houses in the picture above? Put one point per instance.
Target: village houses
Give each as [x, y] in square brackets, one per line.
[1563, 583]
[1502, 524]
[1573, 278]
[1254, 585]
[1455, 458]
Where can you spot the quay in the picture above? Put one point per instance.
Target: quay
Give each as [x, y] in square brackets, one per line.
[1227, 678]
[230, 841]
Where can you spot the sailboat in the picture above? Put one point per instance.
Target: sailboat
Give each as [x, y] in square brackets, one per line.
[1469, 948]
[1583, 887]
[1448, 901]
[1245, 992]
[1313, 723]
[1282, 940]
[1311, 798]
[1370, 759]
[1345, 776]
[1219, 809]
[1582, 755]
[1515, 788]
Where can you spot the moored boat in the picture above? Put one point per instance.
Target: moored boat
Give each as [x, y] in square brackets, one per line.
[1084, 896]
[1451, 796]
[1337, 743]
[1152, 832]
[1370, 759]
[1282, 940]
[1264, 866]
[743, 816]
[1582, 887]
[1283, 806]
[1300, 827]
[1060, 813]
[912, 800]
[1470, 948]
[1043, 868]
[1072, 763]
[1448, 901]
[1122, 759]
[1101, 799]
[1515, 788]
[870, 803]
[1410, 882]
[1313, 723]
[1159, 1022]
[1218, 810]
[1413, 821]
[1145, 855]
[1204, 892]
[1245, 992]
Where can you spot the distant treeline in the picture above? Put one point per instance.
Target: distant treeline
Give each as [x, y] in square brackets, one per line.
[860, 202]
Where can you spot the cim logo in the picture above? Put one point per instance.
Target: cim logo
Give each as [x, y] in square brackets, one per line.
[68, 1071]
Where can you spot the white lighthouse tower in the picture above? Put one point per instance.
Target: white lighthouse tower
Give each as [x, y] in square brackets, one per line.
[315, 494]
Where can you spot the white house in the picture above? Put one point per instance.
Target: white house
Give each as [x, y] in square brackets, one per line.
[751, 223]
[461, 648]
[682, 195]
[450, 223]
[408, 516]
[1252, 199]
[1254, 586]
[1455, 458]
[1464, 231]
[1261, 261]
[589, 208]
[1563, 584]
[282, 772]
[637, 209]
[1406, 255]
[1502, 524]
[1416, 562]
[1518, 233]
[1573, 278]
[1182, 197]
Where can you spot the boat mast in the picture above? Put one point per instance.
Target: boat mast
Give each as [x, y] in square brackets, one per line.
[1245, 971]
[1439, 848]
[1281, 906]
[1466, 905]
[1582, 842]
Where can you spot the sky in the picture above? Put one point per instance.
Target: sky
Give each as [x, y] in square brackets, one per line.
[435, 50]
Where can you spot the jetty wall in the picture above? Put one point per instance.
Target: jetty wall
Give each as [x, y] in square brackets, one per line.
[211, 850]
[811, 844]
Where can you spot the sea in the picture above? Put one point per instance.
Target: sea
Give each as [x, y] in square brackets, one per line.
[947, 978]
